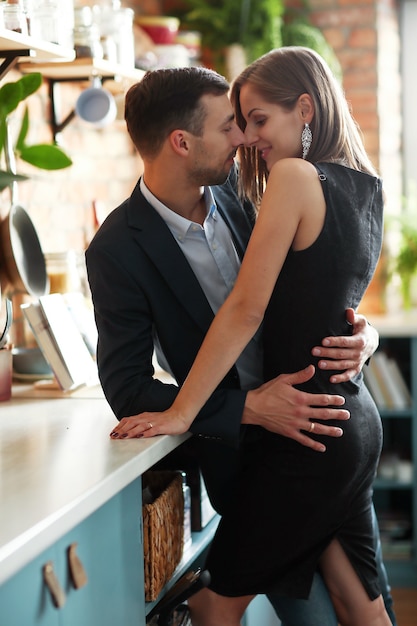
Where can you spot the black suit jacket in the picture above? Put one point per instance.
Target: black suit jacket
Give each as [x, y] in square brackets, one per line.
[143, 287]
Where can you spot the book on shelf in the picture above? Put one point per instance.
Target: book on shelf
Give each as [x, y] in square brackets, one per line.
[380, 370]
[400, 392]
[373, 385]
[386, 383]
[61, 342]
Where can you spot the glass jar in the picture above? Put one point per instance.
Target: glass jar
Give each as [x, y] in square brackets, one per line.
[45, 22]
[63, 272]
[27, 6]
[87, 42]
[109, 48]
[116, 29]
[124, 37]
[14, 17]
[83, 16]
[53, 21]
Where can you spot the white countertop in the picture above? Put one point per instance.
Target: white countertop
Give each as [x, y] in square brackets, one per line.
[58, 465]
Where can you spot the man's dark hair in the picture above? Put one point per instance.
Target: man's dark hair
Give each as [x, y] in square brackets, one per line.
[167, 99]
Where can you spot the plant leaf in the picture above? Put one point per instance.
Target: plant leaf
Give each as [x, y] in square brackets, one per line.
[30, 83]
[45, 156]
[3, 133]
[10, 96]
[20, 143]
[7, 178]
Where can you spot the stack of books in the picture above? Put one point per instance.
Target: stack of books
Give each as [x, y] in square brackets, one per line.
[386, 383]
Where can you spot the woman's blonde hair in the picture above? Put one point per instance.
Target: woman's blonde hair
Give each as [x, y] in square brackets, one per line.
[280, 77]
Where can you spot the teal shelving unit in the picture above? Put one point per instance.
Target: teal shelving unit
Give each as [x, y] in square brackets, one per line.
[395, 489]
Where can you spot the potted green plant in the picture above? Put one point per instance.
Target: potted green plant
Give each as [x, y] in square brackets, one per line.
[405, 261]
[44, 156]
[257, 26]
[226, 25]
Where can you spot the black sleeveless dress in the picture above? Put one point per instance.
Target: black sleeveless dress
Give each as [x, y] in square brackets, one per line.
[291, 501]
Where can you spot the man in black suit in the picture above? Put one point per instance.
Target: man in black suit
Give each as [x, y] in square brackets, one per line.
[162, 263]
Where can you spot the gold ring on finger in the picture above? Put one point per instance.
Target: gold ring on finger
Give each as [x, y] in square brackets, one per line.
[150, 425]
[312, 425]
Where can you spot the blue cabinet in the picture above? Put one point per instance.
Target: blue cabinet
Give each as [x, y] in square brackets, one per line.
[23, 598]
[109, 547]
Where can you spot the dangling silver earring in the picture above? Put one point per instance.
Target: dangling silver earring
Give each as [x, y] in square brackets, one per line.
[306, 139]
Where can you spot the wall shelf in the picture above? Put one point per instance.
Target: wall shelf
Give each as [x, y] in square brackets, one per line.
[81, 69]
[57, 65]
[14, 46]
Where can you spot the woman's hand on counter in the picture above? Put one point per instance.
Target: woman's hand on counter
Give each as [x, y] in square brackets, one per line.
[150, 424]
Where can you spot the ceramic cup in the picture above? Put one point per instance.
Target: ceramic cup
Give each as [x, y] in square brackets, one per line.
[96, 106]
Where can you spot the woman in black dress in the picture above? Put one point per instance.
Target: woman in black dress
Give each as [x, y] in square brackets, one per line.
[312, 254]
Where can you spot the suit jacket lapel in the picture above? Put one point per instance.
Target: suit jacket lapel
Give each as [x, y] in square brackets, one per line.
[155, 238]
[238, 221]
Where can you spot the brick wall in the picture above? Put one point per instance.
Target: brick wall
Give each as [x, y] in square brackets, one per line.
[365, 37]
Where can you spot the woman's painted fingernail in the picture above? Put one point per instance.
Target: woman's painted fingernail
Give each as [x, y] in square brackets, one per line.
[115, 435]
[123, 436]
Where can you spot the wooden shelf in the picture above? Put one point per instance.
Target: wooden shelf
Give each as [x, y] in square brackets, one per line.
[10, 41]
[55, 62]
[14, 46]
[81, 69]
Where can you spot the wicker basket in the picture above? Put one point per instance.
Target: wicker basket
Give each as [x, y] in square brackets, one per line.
[163, 529]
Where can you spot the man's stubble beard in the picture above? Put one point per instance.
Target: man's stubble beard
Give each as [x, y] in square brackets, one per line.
[208, 176]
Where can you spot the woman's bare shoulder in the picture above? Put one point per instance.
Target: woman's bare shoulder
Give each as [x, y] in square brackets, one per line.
[294, 167]
[293, 173]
